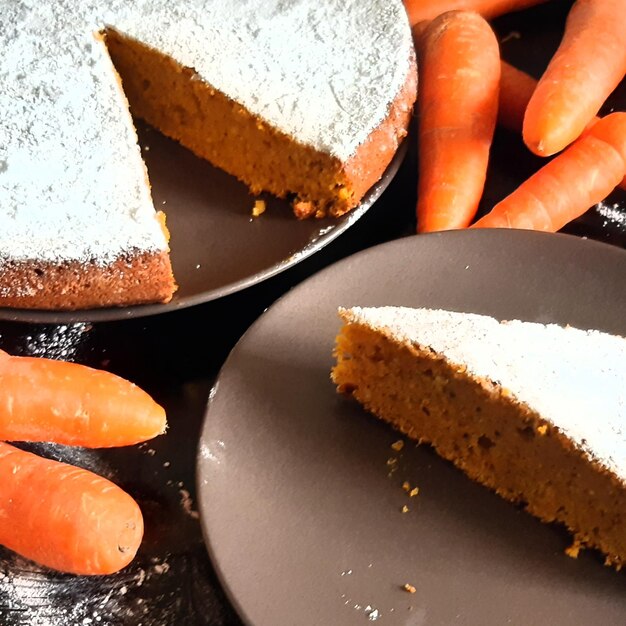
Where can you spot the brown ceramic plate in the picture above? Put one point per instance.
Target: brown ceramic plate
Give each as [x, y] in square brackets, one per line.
[301, 491]
[217, 248]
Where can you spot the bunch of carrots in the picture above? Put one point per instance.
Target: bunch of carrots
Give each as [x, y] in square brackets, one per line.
[465, 90]
[61, 516]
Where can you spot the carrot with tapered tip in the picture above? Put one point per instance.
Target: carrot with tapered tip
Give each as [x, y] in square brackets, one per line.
[588, 65]
[458, 103]
[581, 176]
[516, 89]
[72, 404]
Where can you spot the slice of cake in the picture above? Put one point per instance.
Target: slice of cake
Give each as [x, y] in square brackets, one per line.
[300, 98]
[535, 412]
[77, 225]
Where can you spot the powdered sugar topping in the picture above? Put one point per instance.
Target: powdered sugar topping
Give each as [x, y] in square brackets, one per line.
[72, 182]
[576, 379]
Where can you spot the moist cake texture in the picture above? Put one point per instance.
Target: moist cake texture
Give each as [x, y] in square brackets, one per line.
[535, 412]
[318, 94]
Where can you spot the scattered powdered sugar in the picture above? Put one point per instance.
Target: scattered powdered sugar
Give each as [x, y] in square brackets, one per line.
[187, 503]
[212, 451]
[614, 214]
[371, 612]
[161, 568]
[56, 342]
[185, 498]
[34, 596]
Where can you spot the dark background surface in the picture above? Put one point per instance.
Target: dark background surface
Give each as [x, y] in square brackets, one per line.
[176, 357]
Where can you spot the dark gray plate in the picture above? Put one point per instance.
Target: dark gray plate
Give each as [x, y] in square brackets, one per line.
[217, 248]
[301, 492]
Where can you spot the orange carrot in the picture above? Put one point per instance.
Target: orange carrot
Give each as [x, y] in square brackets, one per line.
[67, 403]
[588, 65]
[64, 517]
[516, 89]
[460, 73]
[419, 10]
[583, 175]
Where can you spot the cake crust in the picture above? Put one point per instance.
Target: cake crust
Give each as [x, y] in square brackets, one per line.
[137, 279]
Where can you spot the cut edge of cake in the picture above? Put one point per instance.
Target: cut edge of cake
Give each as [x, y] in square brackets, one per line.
[184, 107]
[484, 429]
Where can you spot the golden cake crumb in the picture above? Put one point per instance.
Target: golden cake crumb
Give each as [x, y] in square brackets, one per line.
[409, 588]
[574, 550]
[163, 224]
[303, 209]
[405, 509]
[406, 485]
[258, 208]
[543, 429]
[414, 492]
[398, 445]
[611, 561]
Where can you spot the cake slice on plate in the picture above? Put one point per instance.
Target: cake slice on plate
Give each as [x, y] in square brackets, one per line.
[535, 412]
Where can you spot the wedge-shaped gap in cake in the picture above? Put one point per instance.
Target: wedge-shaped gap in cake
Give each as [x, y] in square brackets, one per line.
[176, 101]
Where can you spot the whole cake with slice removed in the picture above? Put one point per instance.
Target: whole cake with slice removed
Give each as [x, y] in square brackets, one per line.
[535, 412]
[303, 99]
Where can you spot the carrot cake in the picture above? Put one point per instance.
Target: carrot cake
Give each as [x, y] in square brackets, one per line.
[535, 412]
[302, 99]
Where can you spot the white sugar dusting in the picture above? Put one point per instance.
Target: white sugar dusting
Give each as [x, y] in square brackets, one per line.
[57, 342]
[72, 182]
[213, 451]
[576, 379]
[187, 504]
[349, 57]
[46, 598]
[615, 214]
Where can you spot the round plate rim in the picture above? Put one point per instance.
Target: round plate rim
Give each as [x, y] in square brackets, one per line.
[204, 505]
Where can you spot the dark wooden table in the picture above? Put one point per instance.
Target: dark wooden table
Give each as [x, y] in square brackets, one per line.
[176, 357]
